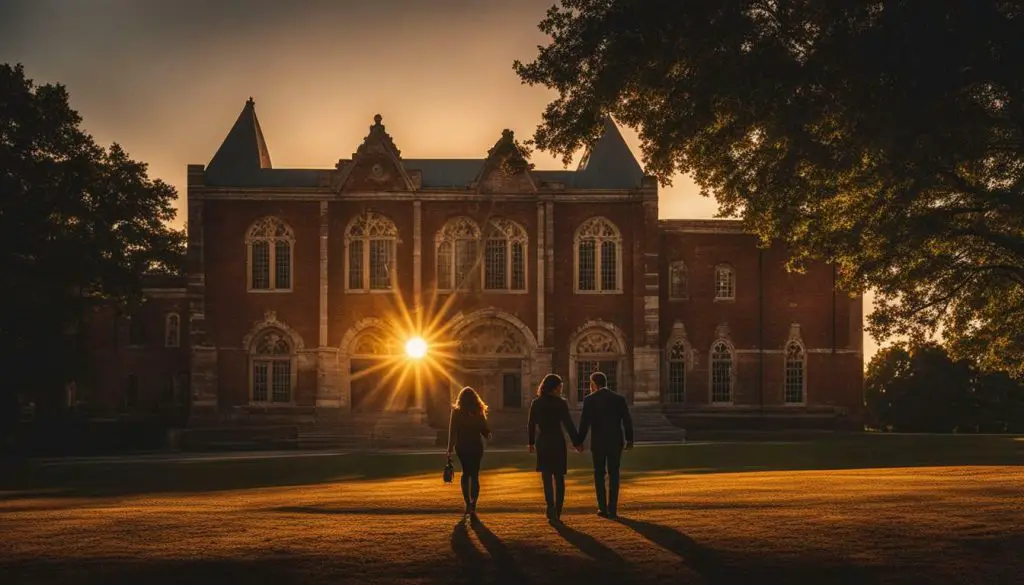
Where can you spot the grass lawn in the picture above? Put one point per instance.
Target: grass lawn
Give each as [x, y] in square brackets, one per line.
[863, 509]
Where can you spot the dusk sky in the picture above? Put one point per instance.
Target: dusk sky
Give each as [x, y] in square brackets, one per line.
[166, 79]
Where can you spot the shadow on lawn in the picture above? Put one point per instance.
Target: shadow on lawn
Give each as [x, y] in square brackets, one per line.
[856, 452]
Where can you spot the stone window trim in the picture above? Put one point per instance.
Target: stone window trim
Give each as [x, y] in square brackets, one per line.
[370, 227]
[457, 229]
[270, 324]
[172, 330]
[724, 283]
[273, 346]
[513, 234]
[676, 351]
[716, 347]
[799, 356]
[596, 341]
[600, 230]
[270, 229]
[682, 293]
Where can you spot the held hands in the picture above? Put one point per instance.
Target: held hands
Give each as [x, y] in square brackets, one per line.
[579, 448]
[531, 449]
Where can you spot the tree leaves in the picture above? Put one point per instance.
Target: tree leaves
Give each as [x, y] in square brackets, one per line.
[886, 137]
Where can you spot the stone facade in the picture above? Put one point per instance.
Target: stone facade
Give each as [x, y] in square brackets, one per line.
[303, 286]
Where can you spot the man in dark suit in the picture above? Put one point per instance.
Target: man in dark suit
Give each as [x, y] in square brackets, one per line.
[607, 412]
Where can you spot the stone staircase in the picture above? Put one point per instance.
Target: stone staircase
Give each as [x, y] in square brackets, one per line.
[651, 425]
[378, 430]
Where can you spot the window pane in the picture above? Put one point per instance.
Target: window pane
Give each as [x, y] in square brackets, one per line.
[172, 334]
[282, 264]
[794, 389]
[609, 272]
[676, 381]
[465, 259]
[610, 369]
[260, 264]
[721, 374]
[381, 259]
[444, 266]
[723, 283]
[260, 380]
[583, 370]
[518, 266]
[494, 264]
[587, 267]
[282, 381]
[677, 282]
[355, 265]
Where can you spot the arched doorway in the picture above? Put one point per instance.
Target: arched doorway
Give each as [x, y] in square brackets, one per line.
[373, 367]
[494, 356]
[596, 346]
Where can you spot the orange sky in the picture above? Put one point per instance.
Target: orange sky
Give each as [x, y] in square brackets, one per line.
[167, 79]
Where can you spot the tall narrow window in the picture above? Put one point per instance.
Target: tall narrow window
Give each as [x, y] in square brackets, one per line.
[598, 250]
[370, 243]
[725, 282]
[505, 256]
[721, 373]
[172, 330]
[795, 374]
[677, 285]
[272, 368]
[677, 372]
[458, 267]
[270, 243]
[596, 351]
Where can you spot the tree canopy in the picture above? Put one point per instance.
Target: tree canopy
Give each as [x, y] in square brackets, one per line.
[79, 224]
[884, 136]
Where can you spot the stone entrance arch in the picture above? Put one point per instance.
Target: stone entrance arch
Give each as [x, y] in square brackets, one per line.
[368, 353]
[495, 354]
[597, 345]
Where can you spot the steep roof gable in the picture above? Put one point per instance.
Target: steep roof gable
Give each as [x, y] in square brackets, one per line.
[376, 164]
[505, 169]
[244, 151]
[608, 163]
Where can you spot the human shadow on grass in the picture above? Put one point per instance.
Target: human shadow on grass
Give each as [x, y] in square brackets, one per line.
[503, 566]
[720, 569]
[611, 562]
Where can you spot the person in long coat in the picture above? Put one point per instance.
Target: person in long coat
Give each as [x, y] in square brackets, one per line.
[549, 413]
[466, 430]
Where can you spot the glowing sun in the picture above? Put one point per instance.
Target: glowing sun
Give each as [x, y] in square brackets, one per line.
[416, 348]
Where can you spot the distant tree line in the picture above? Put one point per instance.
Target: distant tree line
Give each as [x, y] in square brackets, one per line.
[920, 388]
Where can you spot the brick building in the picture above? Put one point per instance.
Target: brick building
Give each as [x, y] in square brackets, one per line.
[296, 276]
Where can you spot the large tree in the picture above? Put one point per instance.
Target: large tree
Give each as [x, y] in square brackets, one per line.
[886, 137]
[79, 224]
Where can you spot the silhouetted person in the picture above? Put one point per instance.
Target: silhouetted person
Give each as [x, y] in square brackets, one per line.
[467, 429]
[550, 413]
[608, 413]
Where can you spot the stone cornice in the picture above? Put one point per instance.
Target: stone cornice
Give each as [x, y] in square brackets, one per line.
[325, 194]
[703, 226]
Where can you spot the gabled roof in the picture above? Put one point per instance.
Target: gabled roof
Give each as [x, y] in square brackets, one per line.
[608, 163]
[244, 151]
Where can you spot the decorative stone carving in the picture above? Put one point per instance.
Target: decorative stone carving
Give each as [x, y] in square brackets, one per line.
[370, 224]
[458, 228]
[794, 333]
[370, 343]
[722, 331]
[595, 342]
[271, 343]
[492, 338]
[270, 228]
[677, 351]
[270, 322]
[503, 228]
[598, 228]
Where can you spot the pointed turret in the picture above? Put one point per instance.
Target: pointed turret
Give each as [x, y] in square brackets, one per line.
[244, 151]
[608, 163]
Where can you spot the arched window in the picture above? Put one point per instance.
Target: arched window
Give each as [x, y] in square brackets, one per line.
[272, 368]
[505, 256]
[456, 243]
[721, 373]
[172, 330]
[725, 282]
[596, 351]
[370, 253]
[677, 285]
[796, 366]
[269, 242]
[677, 371]
[598, 250]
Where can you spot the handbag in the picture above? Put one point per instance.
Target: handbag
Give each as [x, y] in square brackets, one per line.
[449, 471]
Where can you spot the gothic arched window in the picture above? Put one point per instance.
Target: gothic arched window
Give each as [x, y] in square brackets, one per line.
[598, 256]
[172, 330]
[272, 368]
[505, 256]
[721, 372]
[677, 371]
[370, 240]
[456, 246]
[677, 285]
[796, 374]
[270, 243]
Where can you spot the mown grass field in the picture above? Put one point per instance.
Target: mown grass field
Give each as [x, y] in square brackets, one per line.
[871, 509]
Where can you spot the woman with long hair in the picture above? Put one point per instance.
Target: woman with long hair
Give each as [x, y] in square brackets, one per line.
[550, 413]
[466, 430]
